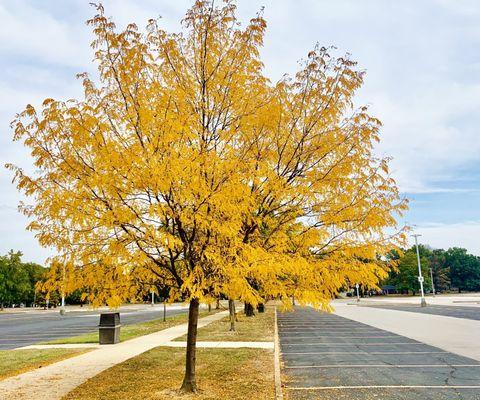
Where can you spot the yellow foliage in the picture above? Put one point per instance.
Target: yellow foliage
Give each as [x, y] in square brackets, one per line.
[185, 166]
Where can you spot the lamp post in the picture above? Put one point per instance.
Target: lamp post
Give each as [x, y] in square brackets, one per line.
[358, 294]
[423, 303]
[62, 307]
[433, 285]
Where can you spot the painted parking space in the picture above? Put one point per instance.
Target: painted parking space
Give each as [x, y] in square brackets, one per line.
[464, 312]
[326, 356]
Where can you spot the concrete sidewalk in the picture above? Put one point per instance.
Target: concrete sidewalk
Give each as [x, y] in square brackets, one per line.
[456, 335]
[56, 380]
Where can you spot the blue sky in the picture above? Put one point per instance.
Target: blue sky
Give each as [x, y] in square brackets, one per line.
[423, 81]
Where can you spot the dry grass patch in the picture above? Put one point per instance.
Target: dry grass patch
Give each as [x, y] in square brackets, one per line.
[258, 328]
[14, 362]
[233, 374]
[132, 331]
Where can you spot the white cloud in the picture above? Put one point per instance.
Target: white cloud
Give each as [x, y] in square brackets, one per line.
[445, 236]
[432, 136]
[422, 80]
[28, 31]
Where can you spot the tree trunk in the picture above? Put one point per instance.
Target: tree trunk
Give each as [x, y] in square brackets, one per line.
[209, 307]
[261, 308]
[189, 382]
[249, 310]
[231, 309]
[218, 304]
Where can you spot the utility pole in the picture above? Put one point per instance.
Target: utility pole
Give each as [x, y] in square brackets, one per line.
[358, 294]
[433, 285]
[62, 307]
[423, 303]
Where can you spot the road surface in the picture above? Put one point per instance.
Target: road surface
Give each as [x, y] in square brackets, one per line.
[30, 327]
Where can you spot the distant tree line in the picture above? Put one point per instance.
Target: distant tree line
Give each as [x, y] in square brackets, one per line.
[18, 279]
[21, 284]
[25, 284]
[452, 270]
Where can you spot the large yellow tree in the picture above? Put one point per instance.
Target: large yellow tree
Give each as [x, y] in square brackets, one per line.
[185, 166]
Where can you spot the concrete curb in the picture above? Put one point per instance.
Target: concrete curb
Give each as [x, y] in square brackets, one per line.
[276, 363]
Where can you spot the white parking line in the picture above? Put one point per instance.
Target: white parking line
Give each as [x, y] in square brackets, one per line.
[354, 344]
[322, 330]
[385, 387]
[333, 330]
[299, 328]
[339, 337]
[384, 366]
[365, 352]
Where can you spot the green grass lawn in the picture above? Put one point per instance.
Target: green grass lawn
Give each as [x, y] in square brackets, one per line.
[132, 331]
[233, 374]
[258, 328]
[14, 362]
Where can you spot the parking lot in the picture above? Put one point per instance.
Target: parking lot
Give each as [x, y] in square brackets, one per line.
[446, 311]
[326, 356]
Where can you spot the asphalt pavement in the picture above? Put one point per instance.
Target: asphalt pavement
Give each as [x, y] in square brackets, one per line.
[326, 356]
[26, 328]
[446, 311]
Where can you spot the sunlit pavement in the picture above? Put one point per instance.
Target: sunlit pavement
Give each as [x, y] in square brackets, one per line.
[455, 311]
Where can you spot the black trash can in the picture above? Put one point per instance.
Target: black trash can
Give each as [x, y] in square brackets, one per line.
[109, 328]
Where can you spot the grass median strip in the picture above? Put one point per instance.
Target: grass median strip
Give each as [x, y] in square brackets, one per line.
[258, 328]
[14, 362]
[234, 374]
[131, 331]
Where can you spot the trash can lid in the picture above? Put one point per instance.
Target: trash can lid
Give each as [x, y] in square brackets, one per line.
[110, 319]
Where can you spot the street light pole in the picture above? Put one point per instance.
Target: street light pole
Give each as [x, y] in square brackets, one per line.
[62, 307]
[358, 294]
[433, 285]
[423, 303]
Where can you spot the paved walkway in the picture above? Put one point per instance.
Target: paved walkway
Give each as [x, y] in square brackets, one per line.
[54, 381]
[333, 358]
[456, 335]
